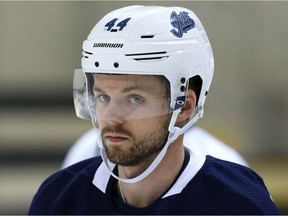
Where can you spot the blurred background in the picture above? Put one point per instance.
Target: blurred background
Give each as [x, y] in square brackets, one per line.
[40, 45]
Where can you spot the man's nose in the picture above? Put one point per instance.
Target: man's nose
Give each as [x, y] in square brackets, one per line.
[115, 113]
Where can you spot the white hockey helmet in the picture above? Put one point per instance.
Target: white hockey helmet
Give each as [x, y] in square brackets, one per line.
[147, 40]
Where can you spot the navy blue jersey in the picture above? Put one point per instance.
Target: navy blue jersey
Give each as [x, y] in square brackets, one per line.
[217, 187]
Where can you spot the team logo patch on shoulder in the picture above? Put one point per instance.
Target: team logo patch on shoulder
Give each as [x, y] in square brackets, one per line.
[182, 22]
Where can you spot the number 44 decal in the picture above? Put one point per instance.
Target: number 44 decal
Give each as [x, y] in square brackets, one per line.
[120, 25]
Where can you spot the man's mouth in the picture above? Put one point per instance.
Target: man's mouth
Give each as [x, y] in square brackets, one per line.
[115, 138]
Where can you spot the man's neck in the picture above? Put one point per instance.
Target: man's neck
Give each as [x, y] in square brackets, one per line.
[143, 193]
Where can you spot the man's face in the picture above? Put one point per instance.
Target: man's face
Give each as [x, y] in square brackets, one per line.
[132, 113]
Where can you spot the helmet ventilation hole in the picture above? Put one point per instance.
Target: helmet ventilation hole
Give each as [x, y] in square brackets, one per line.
[147, 36]
[183, 80]
[116, 64]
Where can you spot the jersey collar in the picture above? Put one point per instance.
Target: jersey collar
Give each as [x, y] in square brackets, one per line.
[102, 176]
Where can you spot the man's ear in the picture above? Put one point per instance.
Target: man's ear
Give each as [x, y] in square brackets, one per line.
[188, 108]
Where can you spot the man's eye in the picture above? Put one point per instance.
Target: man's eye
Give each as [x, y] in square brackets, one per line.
[136, 99]
[103, 98]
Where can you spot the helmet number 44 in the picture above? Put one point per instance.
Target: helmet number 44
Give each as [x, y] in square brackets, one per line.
[122, 24]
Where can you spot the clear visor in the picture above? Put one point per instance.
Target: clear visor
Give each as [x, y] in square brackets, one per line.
[120, 97]
[80, 95]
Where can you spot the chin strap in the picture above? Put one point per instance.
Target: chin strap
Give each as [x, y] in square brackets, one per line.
[174, 133]
[110, 166]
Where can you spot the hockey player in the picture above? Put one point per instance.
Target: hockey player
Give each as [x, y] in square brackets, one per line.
[147, 74]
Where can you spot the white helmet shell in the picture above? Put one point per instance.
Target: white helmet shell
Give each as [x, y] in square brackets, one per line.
[153, 40]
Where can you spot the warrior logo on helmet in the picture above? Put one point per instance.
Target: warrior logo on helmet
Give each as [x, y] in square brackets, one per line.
[182, 22]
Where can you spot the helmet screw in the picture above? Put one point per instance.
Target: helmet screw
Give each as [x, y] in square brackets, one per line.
[97, 64]
[116, 64]
[182, 88]
[183, 80]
